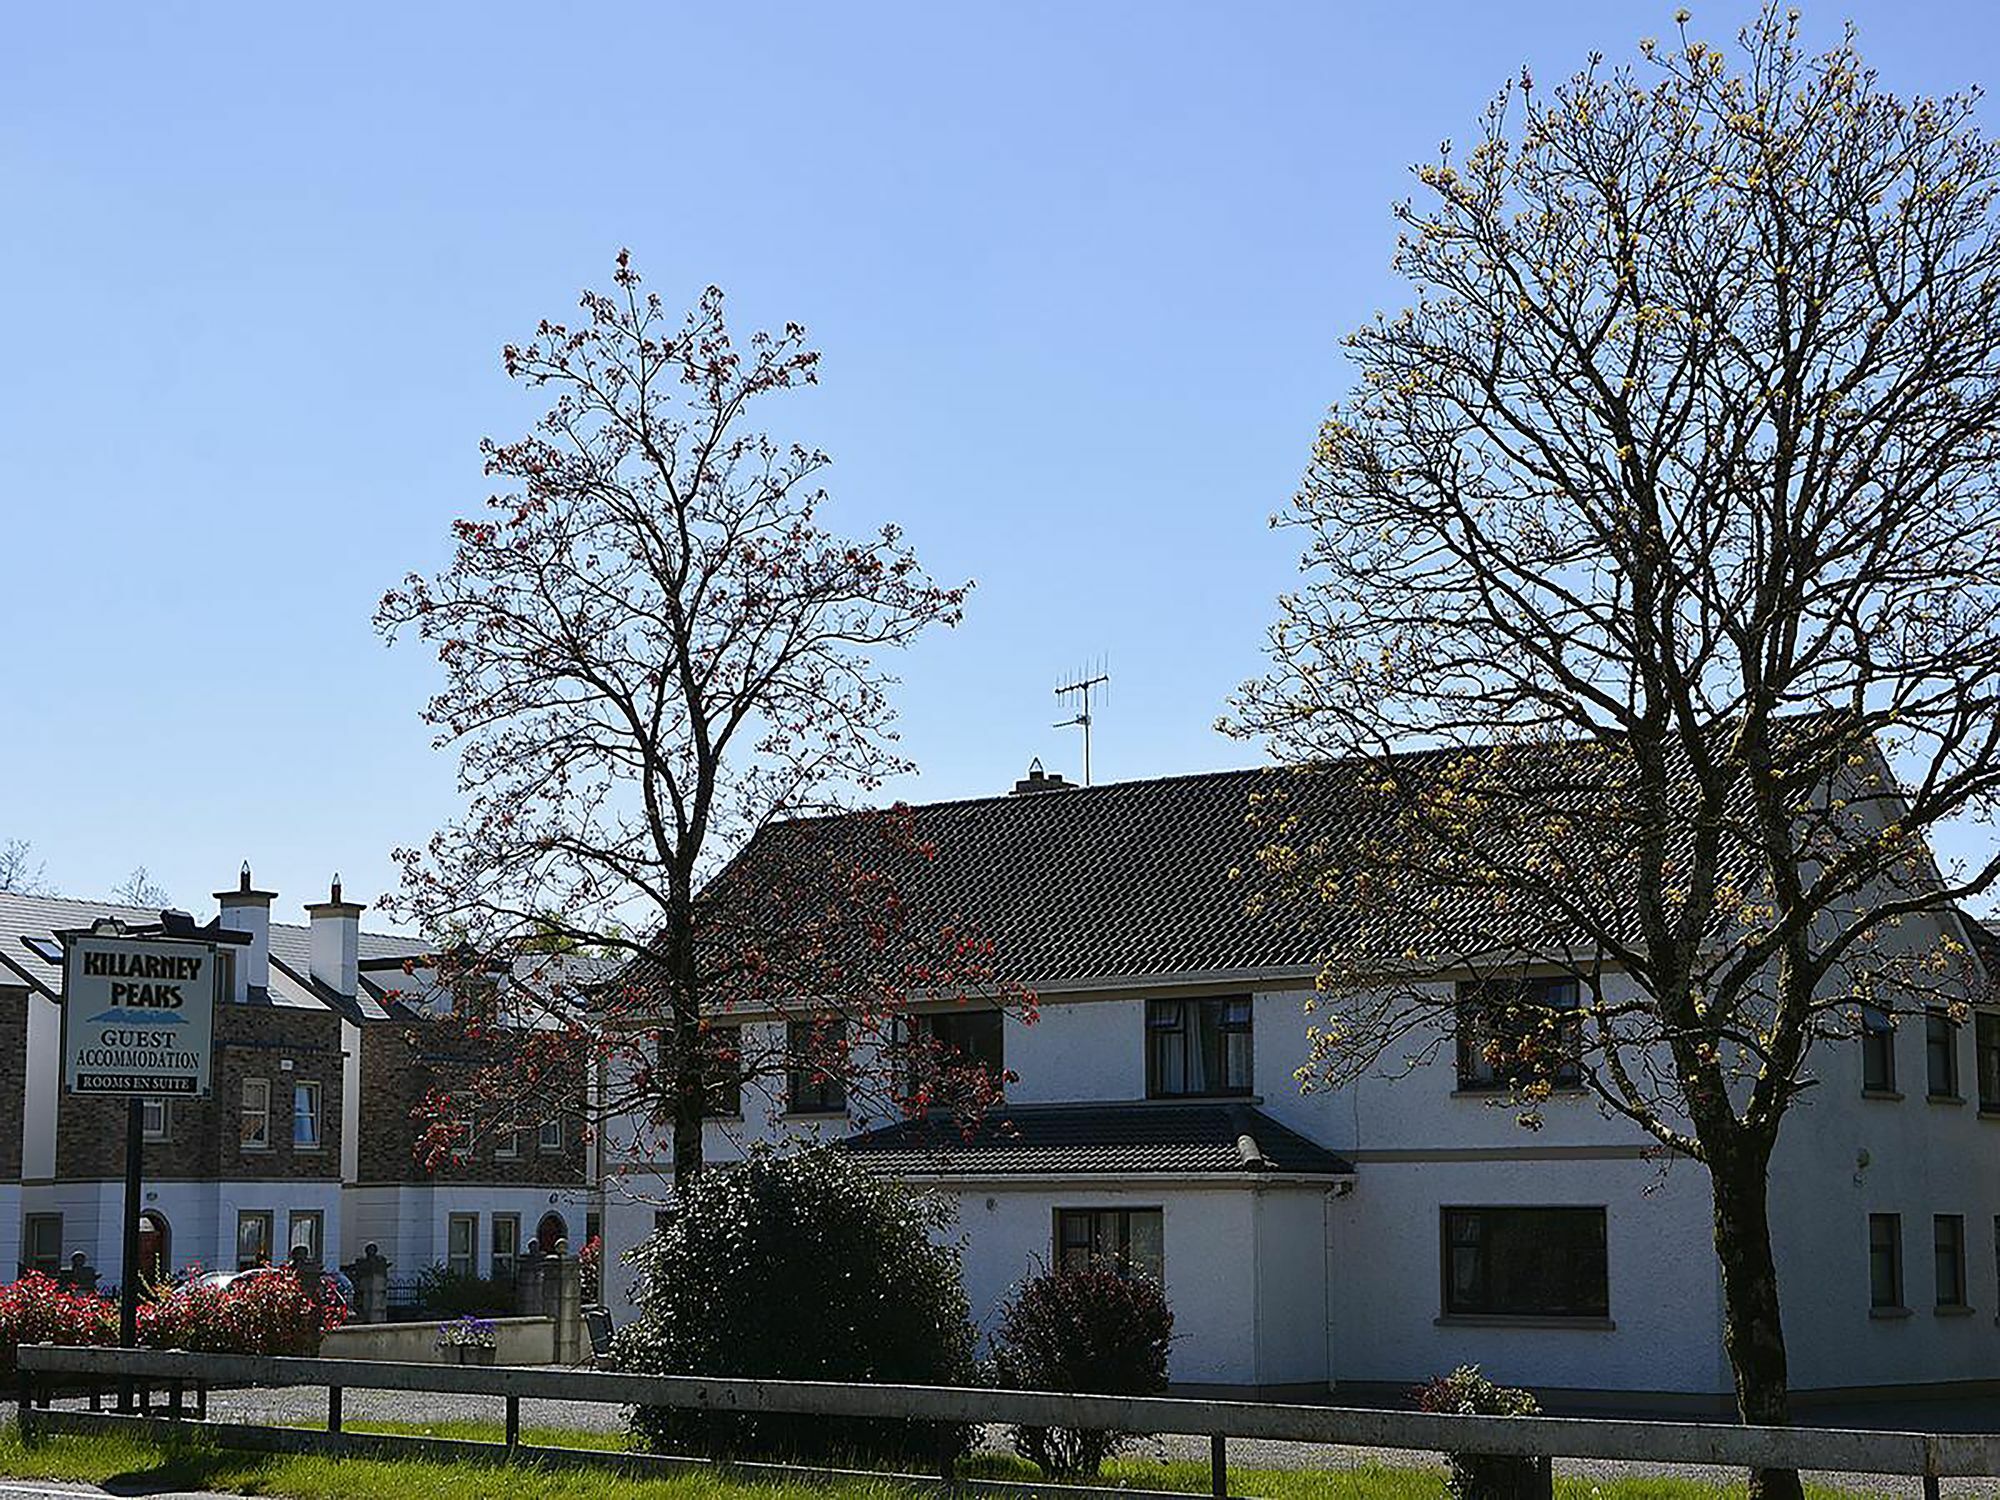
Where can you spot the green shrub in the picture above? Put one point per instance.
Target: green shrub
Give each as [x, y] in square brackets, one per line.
[800, 1267]
[444, 1293]
[1082, 1330]
[1485, 1476]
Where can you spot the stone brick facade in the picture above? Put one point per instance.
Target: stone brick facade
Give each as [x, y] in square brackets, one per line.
[13, 1077]
[204, 1139]
[397, 1071]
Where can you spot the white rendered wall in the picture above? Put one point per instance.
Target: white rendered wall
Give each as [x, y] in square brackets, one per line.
[44, 1082]
[201, 1217]
[410, 1224]
[1387, 1278]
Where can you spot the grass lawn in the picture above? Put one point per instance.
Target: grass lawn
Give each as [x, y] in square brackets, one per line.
[196, 1466]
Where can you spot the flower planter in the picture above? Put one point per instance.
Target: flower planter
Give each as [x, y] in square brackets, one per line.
[466, 1354]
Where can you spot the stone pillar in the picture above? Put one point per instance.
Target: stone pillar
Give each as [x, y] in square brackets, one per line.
[562, 1295]
[528, 1281]
[79, 1275]
[370, 1276]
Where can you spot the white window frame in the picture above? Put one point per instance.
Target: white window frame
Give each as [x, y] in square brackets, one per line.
[155, 1122]
[471, 1258]
[308, 1090]
[299, 1216]
[260, 1139]
[543, 1143]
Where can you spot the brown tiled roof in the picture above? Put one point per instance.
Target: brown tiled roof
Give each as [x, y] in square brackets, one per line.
[1194, 1139]
[1121, 880]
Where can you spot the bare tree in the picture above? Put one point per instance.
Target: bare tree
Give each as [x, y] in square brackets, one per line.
[653, 652]
[21, 874]
[140, 889]
[1651, 610]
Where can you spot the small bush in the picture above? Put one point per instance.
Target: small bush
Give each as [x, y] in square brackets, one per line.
[444, 1294]
[1082, 1330]
[800, 1267]
[35, 1310]
[1485, 1476]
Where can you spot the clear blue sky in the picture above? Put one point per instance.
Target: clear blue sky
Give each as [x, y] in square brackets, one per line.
[1078, 272]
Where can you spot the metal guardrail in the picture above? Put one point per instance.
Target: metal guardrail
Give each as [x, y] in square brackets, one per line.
[1929, 1456]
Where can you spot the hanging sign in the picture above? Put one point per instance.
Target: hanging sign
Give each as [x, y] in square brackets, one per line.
[138, 1016]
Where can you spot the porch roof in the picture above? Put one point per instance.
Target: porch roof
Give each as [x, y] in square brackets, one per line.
[1208, 1138]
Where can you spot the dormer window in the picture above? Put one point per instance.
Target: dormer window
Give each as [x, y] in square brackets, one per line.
[1197, 1048]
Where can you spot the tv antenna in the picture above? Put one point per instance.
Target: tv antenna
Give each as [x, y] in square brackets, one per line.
[1082, 685]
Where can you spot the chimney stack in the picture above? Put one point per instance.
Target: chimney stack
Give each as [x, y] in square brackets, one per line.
[1037, 780]
[248, 911]
[335, 952]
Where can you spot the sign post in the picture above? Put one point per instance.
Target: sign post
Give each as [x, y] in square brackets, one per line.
[138, 1024]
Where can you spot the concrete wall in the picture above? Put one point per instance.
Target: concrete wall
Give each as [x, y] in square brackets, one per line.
[519, 1341]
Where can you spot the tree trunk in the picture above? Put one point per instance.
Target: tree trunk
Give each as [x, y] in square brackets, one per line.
[690, 1062]
[1752, 1334]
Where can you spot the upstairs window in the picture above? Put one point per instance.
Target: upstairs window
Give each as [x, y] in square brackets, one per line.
[305, 1117]
[1516, 1032]
[1526, 1263]
[154, 1124]
[952, 1039]
[813, 1087]
[255, 1132]
[1940, 1055]
[549, 1137]
[1986, 1051]
[1198, 1048]
[1878, 1052]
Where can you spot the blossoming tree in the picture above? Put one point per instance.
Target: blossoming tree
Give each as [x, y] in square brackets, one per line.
[654, 652]
[1652, 598]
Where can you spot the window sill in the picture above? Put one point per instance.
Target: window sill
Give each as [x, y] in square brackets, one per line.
[1561, 1091]
[1944, 1098]
[1888, 1312]
[815, 1114]
[1953, 1310]
[307, 1150]
[1509, 1320]
[1232, 1097]
[1890, 1095]
[1989, 1111]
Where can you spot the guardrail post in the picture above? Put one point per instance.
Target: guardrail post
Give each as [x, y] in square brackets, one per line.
[1930, 1487]
[513, 1423]
[333, 1408]
[25, 1416]
[1218, 1466]
[201, 1400]
[174, 1399]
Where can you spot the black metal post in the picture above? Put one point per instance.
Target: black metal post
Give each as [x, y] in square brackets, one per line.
[128, 1293]
[513, 1423]
[25, 1413]
[333, 1408]
[1218, 1466]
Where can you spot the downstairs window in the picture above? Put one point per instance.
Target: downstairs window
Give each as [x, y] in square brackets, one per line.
[1526, 1263]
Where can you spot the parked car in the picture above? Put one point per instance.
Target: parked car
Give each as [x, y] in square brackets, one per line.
[334, 1284]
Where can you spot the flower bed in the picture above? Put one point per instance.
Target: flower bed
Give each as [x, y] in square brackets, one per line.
[256, 1315]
